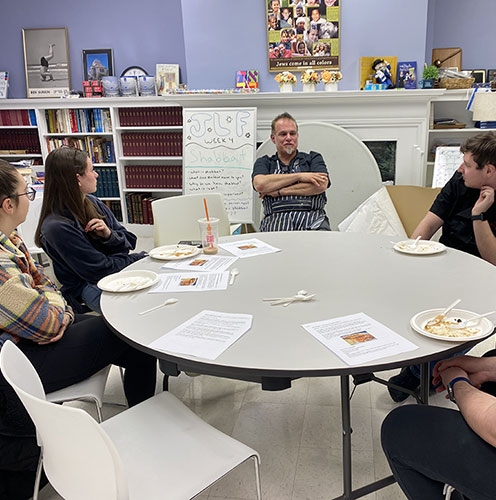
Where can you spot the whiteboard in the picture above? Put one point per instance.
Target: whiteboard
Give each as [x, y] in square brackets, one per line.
[447, 161]
[218, 155]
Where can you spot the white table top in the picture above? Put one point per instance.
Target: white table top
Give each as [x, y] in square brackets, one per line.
[348, 272]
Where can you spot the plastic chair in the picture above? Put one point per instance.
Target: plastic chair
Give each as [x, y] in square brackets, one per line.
[157, 449]
[352, 168]
[176, 218]
[412, 203]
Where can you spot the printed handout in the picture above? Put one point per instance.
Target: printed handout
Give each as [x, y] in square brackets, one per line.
[358, 339]
[248, 248]
[202, 262]
[189, 282]
[206, 335]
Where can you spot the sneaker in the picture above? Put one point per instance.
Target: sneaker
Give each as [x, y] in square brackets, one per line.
[404, 379]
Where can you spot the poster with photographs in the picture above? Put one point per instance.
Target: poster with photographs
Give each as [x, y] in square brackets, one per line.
[303, 34]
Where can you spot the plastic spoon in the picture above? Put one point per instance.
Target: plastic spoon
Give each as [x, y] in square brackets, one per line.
[415, 243]
[234, 273]
[166, 303]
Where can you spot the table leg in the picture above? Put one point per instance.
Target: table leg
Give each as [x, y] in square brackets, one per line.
[425, 382]
[348, 492]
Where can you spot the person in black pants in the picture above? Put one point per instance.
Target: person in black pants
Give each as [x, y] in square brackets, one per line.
[428, 447]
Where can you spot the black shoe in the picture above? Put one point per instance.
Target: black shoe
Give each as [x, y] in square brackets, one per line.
[404, 379]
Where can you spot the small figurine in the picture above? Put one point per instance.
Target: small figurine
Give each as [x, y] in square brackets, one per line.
[383, 73]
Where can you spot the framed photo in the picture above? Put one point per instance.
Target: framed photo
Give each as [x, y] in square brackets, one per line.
[491, 75]
[167, 76]
[303, 35]
[479, 75]
[97, 63]
[46, 62]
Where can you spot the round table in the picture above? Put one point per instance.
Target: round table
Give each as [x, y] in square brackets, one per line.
[349, 273]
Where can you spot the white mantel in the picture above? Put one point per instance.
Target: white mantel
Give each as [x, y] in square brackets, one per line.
[393, 115]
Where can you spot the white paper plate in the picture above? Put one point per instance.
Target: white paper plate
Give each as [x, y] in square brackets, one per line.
[423, 247]
[418, 322]
[174, 252]
[128, 281]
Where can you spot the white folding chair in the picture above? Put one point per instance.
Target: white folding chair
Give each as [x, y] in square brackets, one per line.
[155, 450]
[176, 218]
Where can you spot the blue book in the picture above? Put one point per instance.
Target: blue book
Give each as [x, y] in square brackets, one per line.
[406, 75]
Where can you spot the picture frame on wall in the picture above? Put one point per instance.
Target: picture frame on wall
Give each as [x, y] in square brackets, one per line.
[46, 62]
[479, 75]
[491, 75]
[97, 63]
[303, 36]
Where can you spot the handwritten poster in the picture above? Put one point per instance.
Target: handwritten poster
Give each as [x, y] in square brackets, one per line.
[219, 152]
[447, 160]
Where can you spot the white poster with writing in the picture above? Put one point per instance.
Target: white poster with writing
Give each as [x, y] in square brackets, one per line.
[219, 152]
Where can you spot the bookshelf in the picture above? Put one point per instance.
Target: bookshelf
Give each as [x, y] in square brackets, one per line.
[149, 143]
[19, 138]
[452, 105]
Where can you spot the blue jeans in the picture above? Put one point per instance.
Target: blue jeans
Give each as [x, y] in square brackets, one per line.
[91, 297]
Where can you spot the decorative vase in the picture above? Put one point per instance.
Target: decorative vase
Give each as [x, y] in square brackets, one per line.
[309, 87]
[331, 87]
[286, 87]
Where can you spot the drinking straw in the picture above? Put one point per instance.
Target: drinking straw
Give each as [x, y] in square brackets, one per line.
[206, 208]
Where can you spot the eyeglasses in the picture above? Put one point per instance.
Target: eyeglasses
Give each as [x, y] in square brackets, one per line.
[30, 193]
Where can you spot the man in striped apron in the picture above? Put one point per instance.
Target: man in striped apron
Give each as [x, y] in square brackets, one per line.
[291, 184]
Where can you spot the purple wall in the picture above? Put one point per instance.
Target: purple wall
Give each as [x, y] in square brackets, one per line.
[211, 39]
[140, 33]
[465, 24]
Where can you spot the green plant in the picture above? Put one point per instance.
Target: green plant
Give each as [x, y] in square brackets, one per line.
[430, 72]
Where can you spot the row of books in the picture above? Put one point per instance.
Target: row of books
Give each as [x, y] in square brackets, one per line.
[19, 141]
[17, 117]
[139, 208]
[100, 149]
[67, 121]
[154, 176]
[107, 185]
[116, 208]
[152, 143]
[151, 117]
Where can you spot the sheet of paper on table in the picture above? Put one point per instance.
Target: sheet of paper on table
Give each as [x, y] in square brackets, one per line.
[202, 262]
[206, 335]
[358, 338]
[189, 282]
[248, 248]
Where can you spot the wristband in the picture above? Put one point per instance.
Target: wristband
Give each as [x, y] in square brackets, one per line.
[450, 388]
[481, 216]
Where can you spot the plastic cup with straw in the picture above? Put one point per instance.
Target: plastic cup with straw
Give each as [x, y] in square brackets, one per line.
[209, 231]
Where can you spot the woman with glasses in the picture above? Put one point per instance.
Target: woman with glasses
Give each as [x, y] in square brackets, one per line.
[64, 348]
[79, 232]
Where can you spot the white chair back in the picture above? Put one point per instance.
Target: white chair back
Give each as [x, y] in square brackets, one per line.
[79, 459]
[176, 218]
[352, 168]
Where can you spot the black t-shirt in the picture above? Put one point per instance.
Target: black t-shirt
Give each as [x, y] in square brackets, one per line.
[454, 205]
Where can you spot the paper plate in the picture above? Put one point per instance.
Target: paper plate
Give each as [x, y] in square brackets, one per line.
[128, 281]
[485, 326]
[423, 247]
[174, 252]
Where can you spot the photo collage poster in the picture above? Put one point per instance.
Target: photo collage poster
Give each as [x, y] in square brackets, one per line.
[303, 34]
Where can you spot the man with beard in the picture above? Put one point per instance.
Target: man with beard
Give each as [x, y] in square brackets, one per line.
[291, 183]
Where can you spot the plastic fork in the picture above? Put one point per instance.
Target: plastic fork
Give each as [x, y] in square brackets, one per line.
[465, 322]
[440, 317]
